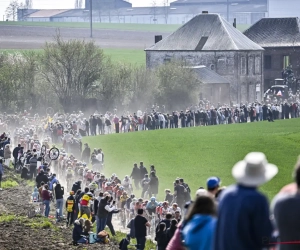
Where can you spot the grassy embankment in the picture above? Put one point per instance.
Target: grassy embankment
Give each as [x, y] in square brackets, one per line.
[198, 153]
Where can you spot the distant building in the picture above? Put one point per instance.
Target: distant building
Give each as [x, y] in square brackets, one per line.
[211, 41]
[245, 11]
[107, 4]
[280, 37]
[179, 12]
[214, 87]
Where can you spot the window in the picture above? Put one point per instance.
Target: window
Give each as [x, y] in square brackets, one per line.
[167, 60]
[201, 43]
[268, 62]
[257, 65]
[243, 66]
[286, 61]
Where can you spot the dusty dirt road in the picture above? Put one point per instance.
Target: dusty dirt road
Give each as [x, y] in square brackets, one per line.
[24, 37]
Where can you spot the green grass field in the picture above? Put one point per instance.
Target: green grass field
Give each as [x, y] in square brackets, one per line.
[198, 153]
[132, 56]
[110, 26]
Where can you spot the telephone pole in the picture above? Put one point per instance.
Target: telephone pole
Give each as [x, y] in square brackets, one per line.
[91, 18]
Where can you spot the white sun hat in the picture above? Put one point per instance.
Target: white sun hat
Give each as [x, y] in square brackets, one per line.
[254, 170]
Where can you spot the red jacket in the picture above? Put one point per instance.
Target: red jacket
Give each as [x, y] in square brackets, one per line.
[46, 195]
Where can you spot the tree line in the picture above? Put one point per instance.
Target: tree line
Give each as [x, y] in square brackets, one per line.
[76, 75]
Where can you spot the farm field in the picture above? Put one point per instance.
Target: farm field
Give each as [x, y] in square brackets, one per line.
[132, 56]
[109, 26]
[198, 153]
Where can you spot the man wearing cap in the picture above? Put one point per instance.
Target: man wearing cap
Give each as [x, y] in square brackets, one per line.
[213, 184]
[243, 212]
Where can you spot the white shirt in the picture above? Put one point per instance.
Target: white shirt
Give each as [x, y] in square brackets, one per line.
[99, 157]
[109, 209]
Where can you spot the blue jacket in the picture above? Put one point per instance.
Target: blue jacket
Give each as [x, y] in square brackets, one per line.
[54, 180]
[243, 220]
[198, 233]
[1, 169]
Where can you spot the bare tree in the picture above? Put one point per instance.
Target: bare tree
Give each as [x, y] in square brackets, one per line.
[154, 10]
[12, 9]
[28, 4]
[78, 4]
[166, 10]
[71, 68]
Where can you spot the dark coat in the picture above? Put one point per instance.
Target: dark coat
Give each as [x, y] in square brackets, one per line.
[143, 171]
[153, 184]
[41, 177]
[77, 232]
[136, 173]
[59, 192]
[161, 239]
[76, 187]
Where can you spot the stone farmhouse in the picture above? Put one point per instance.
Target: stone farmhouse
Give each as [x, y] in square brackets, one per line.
[280, 37]
[209, 40]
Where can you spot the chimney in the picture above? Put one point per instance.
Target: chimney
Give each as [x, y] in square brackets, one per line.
[157, 38]
[205, 12]
[234, 23]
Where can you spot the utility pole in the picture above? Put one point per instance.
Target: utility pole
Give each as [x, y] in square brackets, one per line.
[91, 18]
[227, 10]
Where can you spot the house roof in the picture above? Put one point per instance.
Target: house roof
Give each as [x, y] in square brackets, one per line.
[194, 9]
[46, 13]
[205, 1]
[275, 32]
[206, 32]
[207, 76]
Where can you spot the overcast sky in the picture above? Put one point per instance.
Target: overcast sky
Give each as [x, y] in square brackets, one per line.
[69, 4]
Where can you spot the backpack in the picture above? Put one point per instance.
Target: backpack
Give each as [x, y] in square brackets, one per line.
[93, 238]
[103, 237]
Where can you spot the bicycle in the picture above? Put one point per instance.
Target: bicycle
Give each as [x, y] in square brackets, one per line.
[153, 225]
[123, 218]
[53, 154]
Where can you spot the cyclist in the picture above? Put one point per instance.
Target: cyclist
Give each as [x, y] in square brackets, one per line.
[89, 177]
[132, 207]
[151, 206]
[175, 208]
[69, 177]
[93, 186]
[145, 186]
[123, 199]
[80, 172]
[163, 209]
[127, 184]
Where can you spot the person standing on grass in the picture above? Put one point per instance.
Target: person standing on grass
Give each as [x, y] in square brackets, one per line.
[103, 209]
[143, 170]
[285, 207]
[136, 175]
[153, 185]
[243, 212]
[213, 184]
[70, 207]
[1, 172]
[179, 192]
[7, 154]
[140, 227]
[59, 195]
[46, 200]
